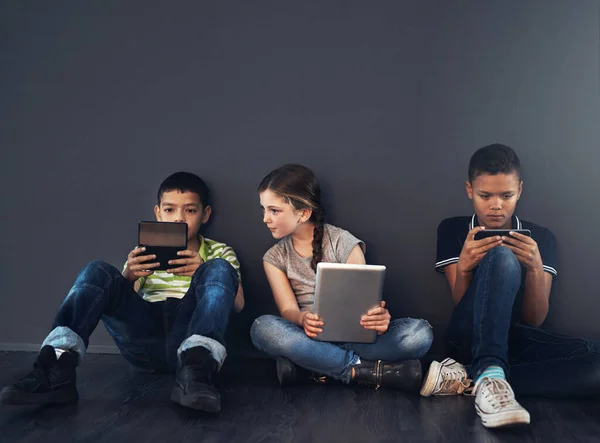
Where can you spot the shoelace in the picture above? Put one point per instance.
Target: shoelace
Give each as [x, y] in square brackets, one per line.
[497, 393]
[453, 382]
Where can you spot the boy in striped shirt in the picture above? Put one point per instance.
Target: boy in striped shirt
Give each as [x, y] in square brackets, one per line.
[160, 320]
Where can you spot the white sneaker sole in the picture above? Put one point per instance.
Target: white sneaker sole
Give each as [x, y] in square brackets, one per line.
[504, 419]
[431, 379]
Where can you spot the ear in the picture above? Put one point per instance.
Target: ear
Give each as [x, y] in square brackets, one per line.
[469, 189]
[157, 213]
[520, 190]
[305, 214]
[206, 214]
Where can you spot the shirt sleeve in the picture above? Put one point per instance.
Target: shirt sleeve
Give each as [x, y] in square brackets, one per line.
[343, 242]
[229, 254]
[449, 245]
[274, 256]
[547, 248]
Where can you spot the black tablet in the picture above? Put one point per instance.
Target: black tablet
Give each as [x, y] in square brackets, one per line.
[164, 239]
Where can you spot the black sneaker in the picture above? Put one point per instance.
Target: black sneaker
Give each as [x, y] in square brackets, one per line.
[194, 381]
[52, 381]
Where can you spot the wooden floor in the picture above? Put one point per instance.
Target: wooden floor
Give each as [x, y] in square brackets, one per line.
[120, 405]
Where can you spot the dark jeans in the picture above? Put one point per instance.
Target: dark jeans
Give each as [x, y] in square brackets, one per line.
[537, 362]
[149, 335]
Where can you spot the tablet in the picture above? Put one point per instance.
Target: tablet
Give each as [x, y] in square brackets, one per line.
[343, 293]
[501, 232]
[164, 239]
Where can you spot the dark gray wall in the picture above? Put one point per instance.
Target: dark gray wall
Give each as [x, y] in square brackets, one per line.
[385, 100]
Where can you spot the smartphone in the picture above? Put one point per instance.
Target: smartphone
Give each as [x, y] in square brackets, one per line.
[501, 232]
[164, 239]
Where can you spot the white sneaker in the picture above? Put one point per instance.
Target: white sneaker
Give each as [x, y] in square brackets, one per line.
[496, 405]
[446, 378]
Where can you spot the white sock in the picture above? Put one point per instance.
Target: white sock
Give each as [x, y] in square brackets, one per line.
[59, 352]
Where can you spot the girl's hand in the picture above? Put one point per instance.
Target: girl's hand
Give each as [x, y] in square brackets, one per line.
[377, 319]
[312, 324]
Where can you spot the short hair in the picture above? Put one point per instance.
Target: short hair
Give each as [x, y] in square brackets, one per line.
[494, 159]
[185, 182]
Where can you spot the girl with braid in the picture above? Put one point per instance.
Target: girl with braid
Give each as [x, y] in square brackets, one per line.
[290, 198]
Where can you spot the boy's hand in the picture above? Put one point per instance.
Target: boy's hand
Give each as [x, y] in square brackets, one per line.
[377, 319]
[185, 266]
[525, 249]
[474, 250]
[138, 265]
[312, 324]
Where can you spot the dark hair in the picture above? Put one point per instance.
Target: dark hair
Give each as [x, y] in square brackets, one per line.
[185, 182]
[494, 159]
[299, 187]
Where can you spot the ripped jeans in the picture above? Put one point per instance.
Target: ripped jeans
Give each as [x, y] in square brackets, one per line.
[405, 339]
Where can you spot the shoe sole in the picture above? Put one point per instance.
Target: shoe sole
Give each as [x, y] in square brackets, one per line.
[504, 420]
[431, 380]
[18, 398]
[197, 402]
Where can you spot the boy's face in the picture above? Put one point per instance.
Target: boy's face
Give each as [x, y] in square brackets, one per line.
[183, 207]
[280, 217]
[495, 198]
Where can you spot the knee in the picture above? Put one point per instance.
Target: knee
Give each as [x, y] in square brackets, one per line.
[268, 334]
[504, 259]
[262, 330]
[414, 336]
[216, 269]
[98, 265]
[97, 270]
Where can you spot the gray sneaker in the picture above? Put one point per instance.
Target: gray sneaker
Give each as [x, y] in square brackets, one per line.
[446, 378]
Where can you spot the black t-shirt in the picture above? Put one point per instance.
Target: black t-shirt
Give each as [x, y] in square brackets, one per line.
[452, 233]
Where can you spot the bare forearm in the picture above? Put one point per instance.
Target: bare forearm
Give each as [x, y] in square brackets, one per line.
[461, 284]
[293, 315]
[239, 301]
[535, 303]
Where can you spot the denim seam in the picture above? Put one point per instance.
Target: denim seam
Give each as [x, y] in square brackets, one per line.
[484, 302]
[92, 305]
[347, 374]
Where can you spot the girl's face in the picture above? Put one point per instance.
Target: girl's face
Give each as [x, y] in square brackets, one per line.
[279, 216]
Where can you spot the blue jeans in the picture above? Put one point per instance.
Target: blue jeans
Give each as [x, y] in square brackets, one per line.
[149, 335]
[537, 362]
[406, 339]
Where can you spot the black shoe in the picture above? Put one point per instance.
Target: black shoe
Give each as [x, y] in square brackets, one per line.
[194, 381]
[406, 375]
[290, 374]
[52, 381]
[287, 372]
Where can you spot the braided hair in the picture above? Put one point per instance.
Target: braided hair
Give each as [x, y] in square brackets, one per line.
[299, 187]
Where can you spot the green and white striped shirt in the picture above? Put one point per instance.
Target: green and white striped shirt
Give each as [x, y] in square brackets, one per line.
[162, 285]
